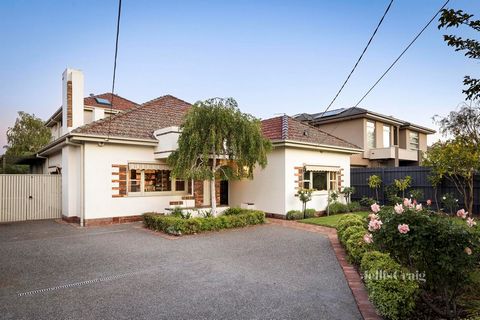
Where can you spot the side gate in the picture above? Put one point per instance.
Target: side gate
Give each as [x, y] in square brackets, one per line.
[30, 197]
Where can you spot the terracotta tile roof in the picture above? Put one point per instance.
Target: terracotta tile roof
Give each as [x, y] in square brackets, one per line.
[119, 103]
[141, 121]
[287, 128]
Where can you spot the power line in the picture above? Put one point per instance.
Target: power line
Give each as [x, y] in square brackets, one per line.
[359, 58]
[115, 64]
[394, 62]
[403, 52]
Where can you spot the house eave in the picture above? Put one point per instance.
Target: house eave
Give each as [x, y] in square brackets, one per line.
[116, 140]
[315, 146]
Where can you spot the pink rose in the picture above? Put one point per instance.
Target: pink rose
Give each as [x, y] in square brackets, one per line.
[372, 216]
[398, 208]
[374, 224]
[462, 213]
[429, 202]
[375, 207]
[368, 238]
[403, 228]
[407, 203]
[471, 222]
[418, 207]
[468, 251]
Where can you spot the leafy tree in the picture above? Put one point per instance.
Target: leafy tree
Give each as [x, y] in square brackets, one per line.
[451, 18]
[403, 184]
[27, 136]
[456, 160]
[374, 182]
[217, 141]
[462, 123]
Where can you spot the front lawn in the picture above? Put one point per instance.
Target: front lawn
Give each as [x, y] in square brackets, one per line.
[330, 221]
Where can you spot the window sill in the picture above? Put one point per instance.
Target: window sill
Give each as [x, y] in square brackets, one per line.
[157, 194]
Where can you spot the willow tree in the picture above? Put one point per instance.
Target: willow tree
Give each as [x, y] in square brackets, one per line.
[217, 141]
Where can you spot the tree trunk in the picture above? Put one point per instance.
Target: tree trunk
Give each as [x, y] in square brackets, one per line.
[213, 198]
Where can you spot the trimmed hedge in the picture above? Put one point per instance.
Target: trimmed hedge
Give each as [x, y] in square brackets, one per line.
[349, 220]
[298, 215]
[178, 226]
[393, 294]
[345, 235]
[337, 207]
[356, 246]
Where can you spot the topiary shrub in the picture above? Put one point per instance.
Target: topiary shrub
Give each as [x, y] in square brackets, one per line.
[354, 206]
[389, 287]
[349, 220]
[345, 235]
[337, 207]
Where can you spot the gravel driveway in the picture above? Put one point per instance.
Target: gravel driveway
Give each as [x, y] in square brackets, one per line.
[50, 270]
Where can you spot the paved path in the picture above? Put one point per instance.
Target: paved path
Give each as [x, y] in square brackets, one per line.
[57, 271]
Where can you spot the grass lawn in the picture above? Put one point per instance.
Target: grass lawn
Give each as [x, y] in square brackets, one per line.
[330, 221]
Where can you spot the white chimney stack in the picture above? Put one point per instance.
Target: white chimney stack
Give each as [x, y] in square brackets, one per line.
[72, 100]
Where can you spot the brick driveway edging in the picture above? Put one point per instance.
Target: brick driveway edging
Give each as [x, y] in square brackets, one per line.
[353, 278]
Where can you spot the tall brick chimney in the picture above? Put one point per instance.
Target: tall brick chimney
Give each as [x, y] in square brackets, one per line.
[72, 99]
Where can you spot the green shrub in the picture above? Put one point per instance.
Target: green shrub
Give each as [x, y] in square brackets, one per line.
[366, 202]
[233, 211]
[310, 213]
[178, 226]
[444, 247]
[345, 235]
[297, 214]
[354, 206]
[392, 292]
[294, 215]
[337, 207]
[349, 220]
[356, 247]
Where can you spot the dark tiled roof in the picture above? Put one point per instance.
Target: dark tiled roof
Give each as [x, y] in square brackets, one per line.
[118, 103]
[141, 121]
[287, 128]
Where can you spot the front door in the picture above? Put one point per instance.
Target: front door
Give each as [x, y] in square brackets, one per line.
[224, 192]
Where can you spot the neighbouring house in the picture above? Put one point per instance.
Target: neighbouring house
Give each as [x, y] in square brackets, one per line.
[111, 154]
[386, 141]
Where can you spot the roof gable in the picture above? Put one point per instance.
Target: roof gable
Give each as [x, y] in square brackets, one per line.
[141, 121]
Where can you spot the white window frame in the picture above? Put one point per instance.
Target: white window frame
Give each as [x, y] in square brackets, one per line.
[144, 193]
[387, 143]
[329, 181]
[374, 134]
[413, 135]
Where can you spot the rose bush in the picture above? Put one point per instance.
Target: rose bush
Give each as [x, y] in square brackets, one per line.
[445, 248]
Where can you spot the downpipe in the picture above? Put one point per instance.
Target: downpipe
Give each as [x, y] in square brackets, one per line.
[82, 178]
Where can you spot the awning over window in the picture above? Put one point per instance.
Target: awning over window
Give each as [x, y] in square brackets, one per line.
[321, 168]
[148, 166]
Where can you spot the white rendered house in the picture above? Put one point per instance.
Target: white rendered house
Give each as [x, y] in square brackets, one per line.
[111, 153]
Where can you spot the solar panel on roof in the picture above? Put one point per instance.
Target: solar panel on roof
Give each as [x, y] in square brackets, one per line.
[103, 101]
[329, 113]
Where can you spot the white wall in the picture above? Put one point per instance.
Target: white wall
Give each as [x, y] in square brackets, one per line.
[299, 157]
[267, 189]
[98, 182]
[71, 204]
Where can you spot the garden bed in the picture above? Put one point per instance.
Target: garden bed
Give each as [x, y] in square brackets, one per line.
[174, 225]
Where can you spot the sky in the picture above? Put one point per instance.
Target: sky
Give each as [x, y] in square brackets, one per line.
[273, 57]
